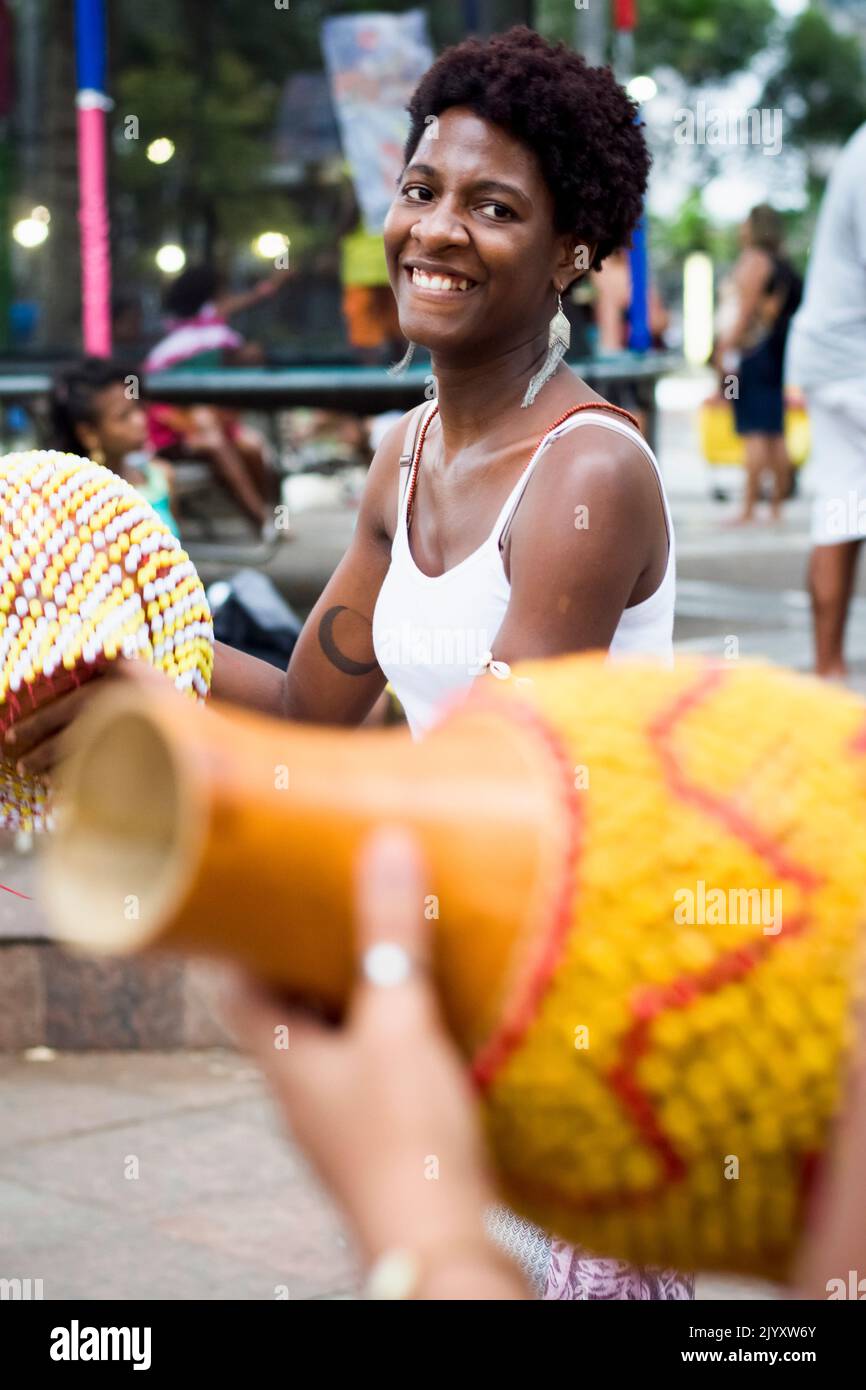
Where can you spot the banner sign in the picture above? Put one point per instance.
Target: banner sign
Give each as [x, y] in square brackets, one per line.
[374, 62]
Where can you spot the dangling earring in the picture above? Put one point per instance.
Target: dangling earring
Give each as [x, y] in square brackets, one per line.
[401, 367]
[558, 343]
[97, 456]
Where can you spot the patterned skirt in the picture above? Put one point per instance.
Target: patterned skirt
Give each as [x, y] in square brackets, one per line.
[556, 1270]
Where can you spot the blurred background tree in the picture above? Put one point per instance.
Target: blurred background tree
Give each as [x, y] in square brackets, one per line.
[701, 41]
[820, 85]
[212, 78]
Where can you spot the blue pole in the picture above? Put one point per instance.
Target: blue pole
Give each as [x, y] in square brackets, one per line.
[90, 44]
[639, 336]
[471, 18]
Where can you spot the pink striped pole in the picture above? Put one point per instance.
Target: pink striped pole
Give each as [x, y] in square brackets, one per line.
[92, 104]
[93, 222]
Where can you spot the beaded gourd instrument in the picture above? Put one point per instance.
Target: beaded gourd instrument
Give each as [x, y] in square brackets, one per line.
[87, 572]
[647, 894]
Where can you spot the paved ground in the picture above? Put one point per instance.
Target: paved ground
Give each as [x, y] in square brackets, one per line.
[222, 1207]
[130, 1175]
[148, 1175]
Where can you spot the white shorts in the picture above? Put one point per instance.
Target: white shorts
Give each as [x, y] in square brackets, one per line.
[837, 417]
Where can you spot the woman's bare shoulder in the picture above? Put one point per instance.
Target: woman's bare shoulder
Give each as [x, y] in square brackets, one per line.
[598, 478]
[607, 460]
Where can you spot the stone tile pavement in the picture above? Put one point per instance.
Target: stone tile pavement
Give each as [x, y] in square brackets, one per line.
[158, 1176]
[165, 1176]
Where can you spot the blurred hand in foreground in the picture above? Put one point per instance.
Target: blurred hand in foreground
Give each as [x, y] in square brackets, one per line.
[382, 1105]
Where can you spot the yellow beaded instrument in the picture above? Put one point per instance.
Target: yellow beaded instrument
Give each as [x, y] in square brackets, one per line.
[647, 888]
[87, 571]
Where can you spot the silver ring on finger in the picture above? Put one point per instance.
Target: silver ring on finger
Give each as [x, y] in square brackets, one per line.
[385, 965]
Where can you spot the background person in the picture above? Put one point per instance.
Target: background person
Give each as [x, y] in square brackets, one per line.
[612, 311]
[765, 291]
[94, 414]
[200, 336]
[369, 309]
[827, 359]
[613, 290]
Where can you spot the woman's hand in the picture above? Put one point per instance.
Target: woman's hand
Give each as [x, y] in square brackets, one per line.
[34, 743]
[383, 1106]
[266, 289]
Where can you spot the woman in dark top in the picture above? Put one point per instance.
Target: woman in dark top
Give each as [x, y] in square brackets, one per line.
[768, 292]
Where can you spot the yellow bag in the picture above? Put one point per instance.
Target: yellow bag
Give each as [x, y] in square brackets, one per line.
[722, 445]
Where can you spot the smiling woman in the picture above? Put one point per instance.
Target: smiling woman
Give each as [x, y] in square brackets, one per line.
[524, 169]
[568, 166]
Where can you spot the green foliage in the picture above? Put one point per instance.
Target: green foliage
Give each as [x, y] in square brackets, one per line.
[209, 76]
[691, 230]
[217, 126]
[702, 41]
[196, 73]
[821, 85]
[555, 19]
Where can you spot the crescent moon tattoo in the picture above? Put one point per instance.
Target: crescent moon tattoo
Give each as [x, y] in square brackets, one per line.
[328, 643]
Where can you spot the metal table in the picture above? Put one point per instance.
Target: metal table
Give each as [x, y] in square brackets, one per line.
[269, 390]
[356, 390]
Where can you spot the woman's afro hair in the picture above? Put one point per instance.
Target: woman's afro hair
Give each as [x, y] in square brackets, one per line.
[578, 121]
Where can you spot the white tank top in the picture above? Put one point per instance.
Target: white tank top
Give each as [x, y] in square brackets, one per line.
[433, 635]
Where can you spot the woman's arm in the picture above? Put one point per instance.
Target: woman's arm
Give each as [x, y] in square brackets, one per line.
[333, 676]
[248, 681]
[589, 537]
[750, 277]
[233, 303]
